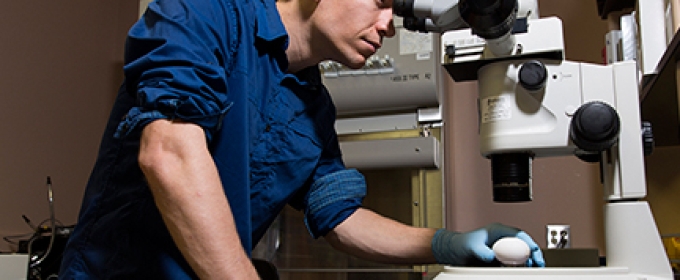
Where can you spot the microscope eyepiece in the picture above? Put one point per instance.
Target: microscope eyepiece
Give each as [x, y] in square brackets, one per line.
[415, 24]
[489, 19]
[403, 8]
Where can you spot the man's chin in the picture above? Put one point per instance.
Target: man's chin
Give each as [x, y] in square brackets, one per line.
[355, 61]
[356, 64]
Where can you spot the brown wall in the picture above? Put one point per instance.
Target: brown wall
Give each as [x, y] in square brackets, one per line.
[59, 73]
[663, 172]
[565, 190]
[61, 67]
[663, 188]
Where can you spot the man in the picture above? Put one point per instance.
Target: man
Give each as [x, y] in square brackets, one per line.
[221, 122]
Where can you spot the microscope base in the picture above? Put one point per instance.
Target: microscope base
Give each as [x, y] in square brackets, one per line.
[634, 252]
[524, 273]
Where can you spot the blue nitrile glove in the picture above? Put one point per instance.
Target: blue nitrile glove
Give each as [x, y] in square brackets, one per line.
[473, 248]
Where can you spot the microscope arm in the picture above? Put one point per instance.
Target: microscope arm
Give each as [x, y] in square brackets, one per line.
[430, 15]
[492, 20]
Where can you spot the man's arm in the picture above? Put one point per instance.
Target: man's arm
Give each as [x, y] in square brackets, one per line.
[188, 192]
[370, 236]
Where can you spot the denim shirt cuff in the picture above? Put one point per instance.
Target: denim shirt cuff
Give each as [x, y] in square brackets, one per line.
[332, 199]
[136, 119]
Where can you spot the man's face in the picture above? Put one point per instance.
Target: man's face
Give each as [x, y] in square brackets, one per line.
[354, 29]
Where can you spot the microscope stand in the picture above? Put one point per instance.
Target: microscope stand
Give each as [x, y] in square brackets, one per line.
[634, 252]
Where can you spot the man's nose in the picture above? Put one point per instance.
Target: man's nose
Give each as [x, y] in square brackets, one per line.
[386, 24]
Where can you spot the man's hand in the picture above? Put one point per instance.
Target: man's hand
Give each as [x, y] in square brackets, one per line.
[473, 248]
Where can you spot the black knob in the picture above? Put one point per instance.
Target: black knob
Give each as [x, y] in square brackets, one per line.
[450, 50]
[647, 138]
[533, 75]
[595, 127]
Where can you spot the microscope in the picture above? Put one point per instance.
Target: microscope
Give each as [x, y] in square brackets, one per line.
[533, 103]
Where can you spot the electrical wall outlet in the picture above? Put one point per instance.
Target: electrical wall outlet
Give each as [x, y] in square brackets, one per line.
[558, 236]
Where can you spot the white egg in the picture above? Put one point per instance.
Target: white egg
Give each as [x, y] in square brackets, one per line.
[511, 251]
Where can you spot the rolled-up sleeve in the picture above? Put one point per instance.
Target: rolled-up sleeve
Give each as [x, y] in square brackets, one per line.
[332, 199]
[176, 62]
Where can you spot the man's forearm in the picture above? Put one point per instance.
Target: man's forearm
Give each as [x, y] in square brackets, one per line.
[188, 192]
[370, 236]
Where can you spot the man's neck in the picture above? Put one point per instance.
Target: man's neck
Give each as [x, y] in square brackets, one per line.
[296, 21]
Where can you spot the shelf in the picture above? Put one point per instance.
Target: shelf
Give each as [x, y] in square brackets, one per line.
[604, 7]
[659, 98]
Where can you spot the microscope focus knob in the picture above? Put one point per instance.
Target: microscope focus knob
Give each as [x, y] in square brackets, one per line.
[647, 138]
[532, 75]
[595, 127]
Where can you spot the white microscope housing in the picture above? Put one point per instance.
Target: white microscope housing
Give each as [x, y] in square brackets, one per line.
[533, 103]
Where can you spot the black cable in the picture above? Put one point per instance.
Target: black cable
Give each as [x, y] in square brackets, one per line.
[52, 225]
[28, 222]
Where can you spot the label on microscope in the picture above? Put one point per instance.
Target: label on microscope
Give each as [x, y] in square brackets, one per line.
[495, 108]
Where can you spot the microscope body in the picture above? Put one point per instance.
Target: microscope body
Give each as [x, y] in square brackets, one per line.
[543, 122]
[533, 103]
[540, 123]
